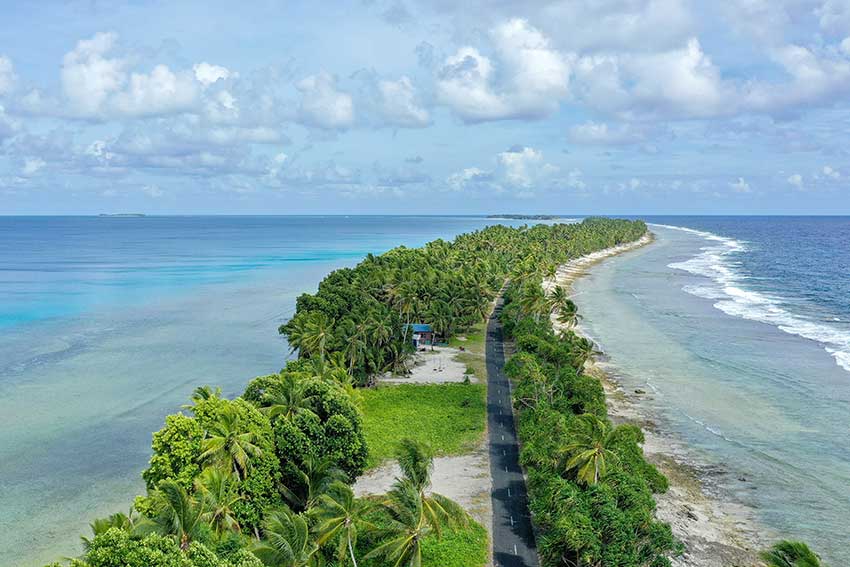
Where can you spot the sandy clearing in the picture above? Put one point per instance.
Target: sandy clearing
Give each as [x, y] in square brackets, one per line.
[464, 478]
[437, 366]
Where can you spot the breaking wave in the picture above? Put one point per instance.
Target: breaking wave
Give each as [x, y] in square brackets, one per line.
[717, 262]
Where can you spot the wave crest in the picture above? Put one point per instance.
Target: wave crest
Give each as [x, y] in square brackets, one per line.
[717, 263]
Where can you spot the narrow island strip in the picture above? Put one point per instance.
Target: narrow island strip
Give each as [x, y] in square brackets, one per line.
[367, 449]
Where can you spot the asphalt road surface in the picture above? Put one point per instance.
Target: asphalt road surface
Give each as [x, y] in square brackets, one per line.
[513, 537]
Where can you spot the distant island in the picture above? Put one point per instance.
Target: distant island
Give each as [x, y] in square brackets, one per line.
[121, 215]
[525, 217]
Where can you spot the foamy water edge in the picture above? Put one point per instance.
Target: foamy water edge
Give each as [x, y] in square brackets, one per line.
[717, 263]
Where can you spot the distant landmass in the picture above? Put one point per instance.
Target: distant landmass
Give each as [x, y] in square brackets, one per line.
[121, 215]
[525, 217]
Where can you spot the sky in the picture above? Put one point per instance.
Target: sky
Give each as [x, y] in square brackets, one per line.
[407, 106]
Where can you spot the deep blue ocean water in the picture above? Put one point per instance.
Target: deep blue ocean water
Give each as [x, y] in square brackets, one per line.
[108, 324]
[739, 327]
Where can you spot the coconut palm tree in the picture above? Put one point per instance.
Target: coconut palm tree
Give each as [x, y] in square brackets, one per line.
[790, 554]
[315, 477]
[218, 491]
[568, 314]
[125, 522]
[587, 452]
[339, 514]
[316, 335]
[286, 541]
[228, 445]
[287, 397]
[416, 461]
[177, 514]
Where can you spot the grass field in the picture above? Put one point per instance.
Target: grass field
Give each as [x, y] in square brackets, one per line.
[449, 417]
[474, 357]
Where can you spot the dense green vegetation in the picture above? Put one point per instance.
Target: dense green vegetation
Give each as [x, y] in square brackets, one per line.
[590, 489]
[264, 479]
[448, 417]
[361, 314]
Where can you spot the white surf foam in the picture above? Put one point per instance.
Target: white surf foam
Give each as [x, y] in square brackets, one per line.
[717, 263]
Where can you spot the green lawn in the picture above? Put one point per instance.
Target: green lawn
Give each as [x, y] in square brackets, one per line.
[449, 417]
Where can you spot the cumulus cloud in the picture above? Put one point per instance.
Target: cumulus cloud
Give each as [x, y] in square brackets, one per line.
[519, 168]
[467, 177]
[207, 73]
[399, 105]
[796, 180]
[97, 84]
[160, 92]
[522, 167]
[531, 81]
[323, 105]
[89, 76]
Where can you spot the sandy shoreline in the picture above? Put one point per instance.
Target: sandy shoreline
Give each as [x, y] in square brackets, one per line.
[715, 532]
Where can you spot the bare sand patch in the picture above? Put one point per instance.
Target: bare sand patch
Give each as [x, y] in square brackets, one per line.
[439, 365]
[464, 478]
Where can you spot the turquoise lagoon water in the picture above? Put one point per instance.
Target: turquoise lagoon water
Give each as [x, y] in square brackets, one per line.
[739, 329]
[108, 324]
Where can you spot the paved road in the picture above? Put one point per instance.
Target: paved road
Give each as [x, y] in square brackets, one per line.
[513, 538]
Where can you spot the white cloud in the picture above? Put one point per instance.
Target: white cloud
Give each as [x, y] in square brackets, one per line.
[7, 75]
[531, 81]
[89, 77]
[466, 177]
[831, 173]
[207, 73]
[796, 180]
[322, 105]
[160, 92]
[97, 84]
[399, 105]
[520, 167]
[740, 186]
[601, 133]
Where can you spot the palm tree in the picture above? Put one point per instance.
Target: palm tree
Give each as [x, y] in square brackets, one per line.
[588, 452]
[178, 514]
[125, 522]
[790, 554]
[286, 541]
[218, 491]
[416, 461]
[228, 445]
[316, 335]
[315, 477]
[339, 514]
[582, 349]
[408, 526]
[410, 521]
[568, 314]
[287, 397]
[533, 300]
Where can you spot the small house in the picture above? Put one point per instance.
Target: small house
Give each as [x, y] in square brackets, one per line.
[423, 335]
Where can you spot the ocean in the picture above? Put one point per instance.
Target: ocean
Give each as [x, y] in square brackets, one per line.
[107, 325]
[739, 330]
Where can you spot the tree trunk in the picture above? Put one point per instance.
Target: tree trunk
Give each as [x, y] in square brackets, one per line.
[351, 551]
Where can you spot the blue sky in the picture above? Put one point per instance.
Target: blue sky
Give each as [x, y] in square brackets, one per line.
[401, 106]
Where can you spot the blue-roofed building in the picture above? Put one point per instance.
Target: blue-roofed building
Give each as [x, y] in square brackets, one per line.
[422, 334]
